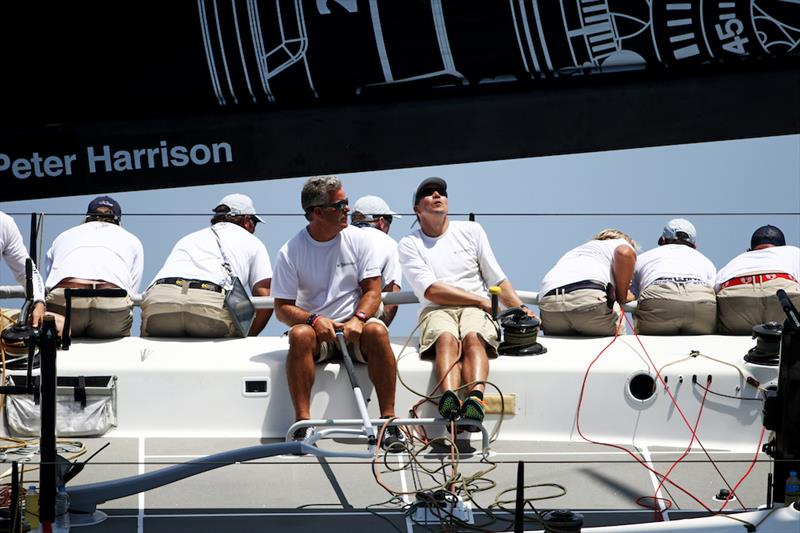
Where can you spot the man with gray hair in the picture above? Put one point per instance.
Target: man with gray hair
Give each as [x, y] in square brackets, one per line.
[328, 279]
[187, 296]
[675, 285]
[373, 214]
[583, 292]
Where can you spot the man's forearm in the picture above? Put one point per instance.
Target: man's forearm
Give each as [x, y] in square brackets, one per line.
[369, 302]
[290, 314]
[444, 294]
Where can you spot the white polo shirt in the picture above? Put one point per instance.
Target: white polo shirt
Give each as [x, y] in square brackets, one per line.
[324, 277]
[589, 261]
[770, 260]
[197, 256]
[97, 251]
[671, 261]
[461, 257]
[385, 250]
[15, 255]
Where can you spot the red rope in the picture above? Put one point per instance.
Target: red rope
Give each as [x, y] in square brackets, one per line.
[680, 412]
[747, 473]
[637, 459]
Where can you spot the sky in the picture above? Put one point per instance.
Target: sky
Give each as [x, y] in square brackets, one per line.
[533, 210]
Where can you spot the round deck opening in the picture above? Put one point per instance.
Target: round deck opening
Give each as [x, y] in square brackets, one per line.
[641, 387]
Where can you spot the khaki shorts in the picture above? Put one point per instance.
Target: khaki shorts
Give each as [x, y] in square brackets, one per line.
[581, 312]
[459, 322]
[96, 317]
[173, 311]
[676, 308]
[329, 351]
[743, 306]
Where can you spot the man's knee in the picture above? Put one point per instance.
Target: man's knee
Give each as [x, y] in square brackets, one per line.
[473, 340]
[375, 334]
[302, 339]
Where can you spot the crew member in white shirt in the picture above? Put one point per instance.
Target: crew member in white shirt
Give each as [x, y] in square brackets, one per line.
[582, 293]
[675, 285]
[328, 279]
[13, 250]
[187, 296]
[450, 265]
[374, 215]
[98, 254]
[746, 286]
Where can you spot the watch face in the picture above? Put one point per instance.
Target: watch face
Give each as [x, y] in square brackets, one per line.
[361, 315]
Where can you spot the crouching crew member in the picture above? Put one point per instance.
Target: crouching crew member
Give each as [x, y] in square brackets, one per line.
[582, 294]
[746, 286]
[98, 254]
[675, 285]
[187, 297]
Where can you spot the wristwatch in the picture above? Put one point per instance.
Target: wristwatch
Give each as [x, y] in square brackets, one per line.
[362, 316]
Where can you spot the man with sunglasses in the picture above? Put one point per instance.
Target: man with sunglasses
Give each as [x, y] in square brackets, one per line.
[450, 266]
[328, 279]
[373, 214]
[98, 254]
[187, 296]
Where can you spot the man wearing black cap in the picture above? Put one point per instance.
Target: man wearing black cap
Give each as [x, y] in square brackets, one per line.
[187, 296]
[450, 265]
[746, 286]
[98, 254]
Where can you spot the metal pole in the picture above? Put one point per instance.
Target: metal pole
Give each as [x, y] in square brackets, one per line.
[16, 525]
[34, 234]
[47, 472]
[519, 509]
[351, 372]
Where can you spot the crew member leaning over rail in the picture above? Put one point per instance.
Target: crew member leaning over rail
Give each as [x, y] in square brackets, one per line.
[582, 293]
[98, 254]
[13, 250]
[327, 278]
[675, 285]
[449, 265]
[187, 297]
[746, 286]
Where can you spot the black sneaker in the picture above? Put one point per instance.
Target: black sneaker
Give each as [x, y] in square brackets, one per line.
[449, 405]
[302, 435]
[472, 410]
[394, 441]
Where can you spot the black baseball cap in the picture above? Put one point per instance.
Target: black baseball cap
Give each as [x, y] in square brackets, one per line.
[430, 183]
[767, 235]
[104, 201]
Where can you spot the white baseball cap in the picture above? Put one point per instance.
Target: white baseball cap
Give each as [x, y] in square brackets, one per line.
[680, 225]
[373, 206]
[240, 204]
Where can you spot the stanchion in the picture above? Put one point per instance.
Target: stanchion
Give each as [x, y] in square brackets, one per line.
[48, 340]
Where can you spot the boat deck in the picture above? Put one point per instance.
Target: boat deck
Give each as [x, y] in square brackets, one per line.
[184, 400]
[304, 493]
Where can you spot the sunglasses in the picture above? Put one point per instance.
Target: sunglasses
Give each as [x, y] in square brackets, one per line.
[341, 205]
[361, 221]
[428, 191]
